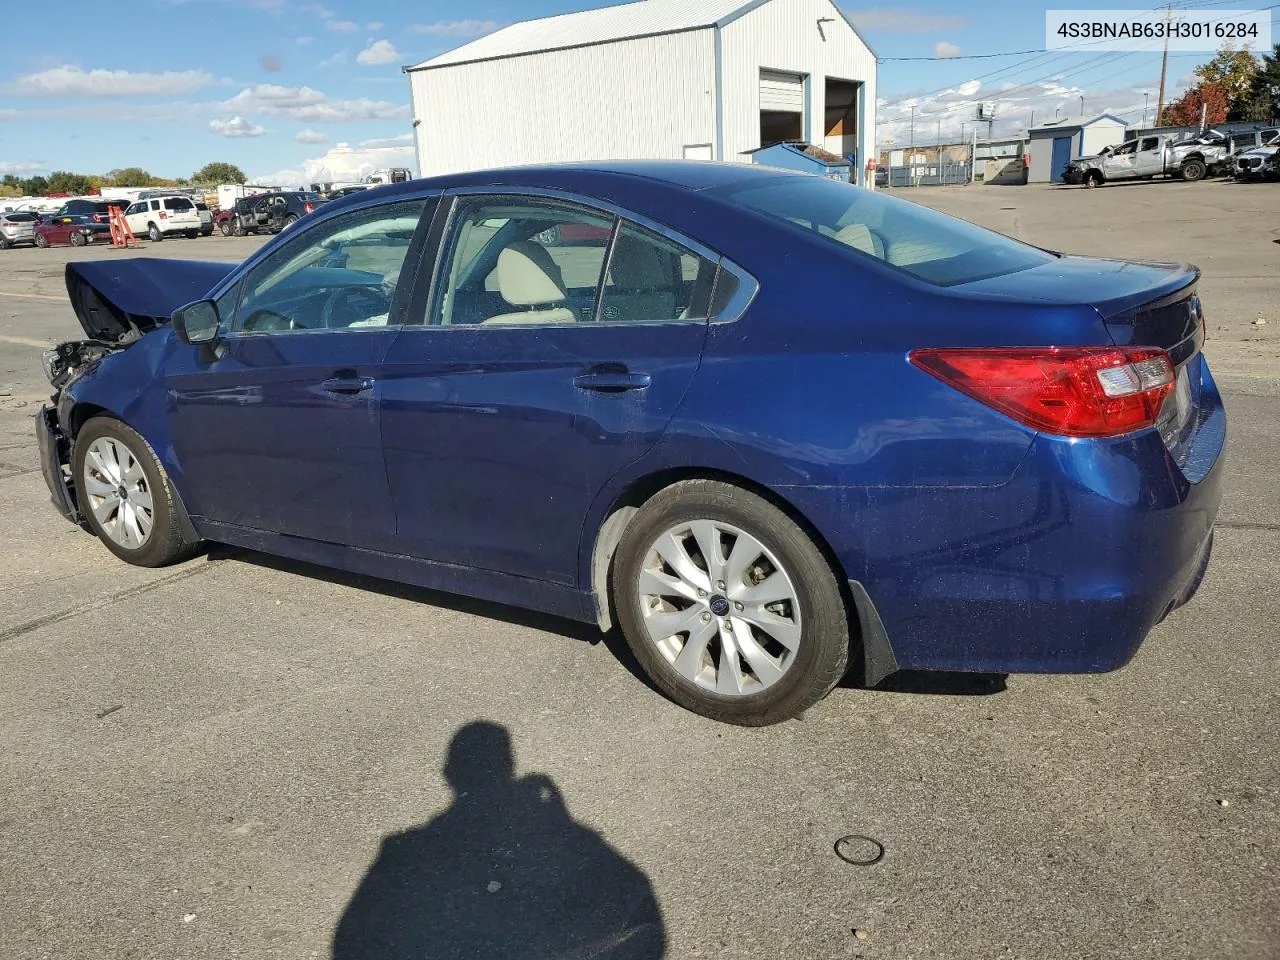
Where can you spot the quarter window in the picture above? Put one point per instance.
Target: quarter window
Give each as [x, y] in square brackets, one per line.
[337, 275]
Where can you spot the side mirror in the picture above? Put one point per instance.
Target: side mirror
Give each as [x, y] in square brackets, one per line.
[196, 322]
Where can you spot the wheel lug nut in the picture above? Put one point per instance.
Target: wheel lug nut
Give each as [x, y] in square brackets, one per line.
[728, 626]
[738, 605]
[720, 585]
[702, 594]
[706, 618]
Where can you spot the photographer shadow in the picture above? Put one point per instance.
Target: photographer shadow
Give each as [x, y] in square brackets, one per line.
[505, 871]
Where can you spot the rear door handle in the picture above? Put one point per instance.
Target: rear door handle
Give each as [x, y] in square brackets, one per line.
[612, 381]
[348, 386]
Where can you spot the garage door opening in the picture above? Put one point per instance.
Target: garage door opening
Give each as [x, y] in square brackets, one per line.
[781, 107]
[841, 121]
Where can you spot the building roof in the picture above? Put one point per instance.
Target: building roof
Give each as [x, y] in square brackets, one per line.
[1073, 123]
[641, 18]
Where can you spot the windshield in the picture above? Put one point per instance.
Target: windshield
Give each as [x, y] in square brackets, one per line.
[928, 245]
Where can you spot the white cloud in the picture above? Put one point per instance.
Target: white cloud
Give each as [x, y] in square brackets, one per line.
[237, 126]
[309, 105]
[969, 88]
[336, 60]
[944, 48]
[378, 53]
[71, 81]
[374, 25]
[21, 168]
[899, 20]
[455, 28]
[346, 162]
[310, 136]
[342, 26]
[304, 41]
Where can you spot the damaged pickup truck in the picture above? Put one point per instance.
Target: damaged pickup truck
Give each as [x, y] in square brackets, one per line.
[1186, 159]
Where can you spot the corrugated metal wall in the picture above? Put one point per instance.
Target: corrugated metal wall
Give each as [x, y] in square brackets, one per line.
[636, 99]
[784, 35]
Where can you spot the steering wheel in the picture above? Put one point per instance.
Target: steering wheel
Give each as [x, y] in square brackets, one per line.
[376, 301]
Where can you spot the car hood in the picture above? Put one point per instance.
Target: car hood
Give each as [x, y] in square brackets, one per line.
[117, 301]
[1261, 152]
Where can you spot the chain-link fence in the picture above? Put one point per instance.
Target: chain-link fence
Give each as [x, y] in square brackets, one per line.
[930, 175]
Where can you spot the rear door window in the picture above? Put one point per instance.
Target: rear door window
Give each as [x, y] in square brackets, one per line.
[652, 278]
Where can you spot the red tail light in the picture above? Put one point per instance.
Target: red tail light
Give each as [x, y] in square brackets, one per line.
[97, 218]
[307, 207]
[1071, 391]
[163, 215]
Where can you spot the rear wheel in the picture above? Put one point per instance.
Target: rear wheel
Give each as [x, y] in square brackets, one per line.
[289, 221]
[125, 495]
[192, 234]
[154, 233]
[728, 605]
[4, 242]
[78, 239]
[225, 227]
[41, 240]
[1193, 170]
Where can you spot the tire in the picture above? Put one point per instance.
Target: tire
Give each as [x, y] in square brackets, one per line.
[1093, 179]
[162, 543]
[4, 243]
[153, 232]
[237, 228]
[42, 240]
[225, 228]
[289, 221]
[1193, 170]
[757, 690]
[192, 234]
[78, 240]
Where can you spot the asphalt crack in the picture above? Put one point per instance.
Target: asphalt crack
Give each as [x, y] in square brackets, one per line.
[92, 605]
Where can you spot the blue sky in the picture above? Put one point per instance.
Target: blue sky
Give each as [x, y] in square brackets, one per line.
[293, 90]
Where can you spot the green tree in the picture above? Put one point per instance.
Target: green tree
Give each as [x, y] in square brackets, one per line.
[1234, 70]
[11, 180]
[219, 173]
[33, 186]
[61, 181]
[1264, 95]
[131, 177]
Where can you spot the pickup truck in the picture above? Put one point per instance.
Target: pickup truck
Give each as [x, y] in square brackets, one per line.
[1154, 156]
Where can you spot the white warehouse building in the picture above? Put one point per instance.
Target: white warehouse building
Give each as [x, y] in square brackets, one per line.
[653, 79]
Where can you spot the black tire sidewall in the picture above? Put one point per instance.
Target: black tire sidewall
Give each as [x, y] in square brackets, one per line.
[824, 643]
[165, 545]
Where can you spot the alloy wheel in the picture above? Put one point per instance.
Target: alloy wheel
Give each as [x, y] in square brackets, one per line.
[720, 608]
[118, 494]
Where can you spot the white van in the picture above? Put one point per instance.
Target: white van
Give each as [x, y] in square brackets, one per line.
[159, 217]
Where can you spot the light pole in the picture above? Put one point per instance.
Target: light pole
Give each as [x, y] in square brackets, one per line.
[1082, 106]
[912, 144]
[1146, 95]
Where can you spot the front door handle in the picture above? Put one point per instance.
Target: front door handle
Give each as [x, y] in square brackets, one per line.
[348, 386]
[612, 381]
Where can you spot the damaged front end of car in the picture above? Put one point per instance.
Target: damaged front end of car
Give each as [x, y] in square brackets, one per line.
[117, 304]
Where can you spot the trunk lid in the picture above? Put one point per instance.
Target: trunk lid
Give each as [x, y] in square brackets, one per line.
[118, 301]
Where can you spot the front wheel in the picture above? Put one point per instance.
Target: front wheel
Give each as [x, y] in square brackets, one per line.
[154, 233]
[728, 605]
[1193, 170]
[42, 240]
[78, 239]
[225, 227]
[125, 495]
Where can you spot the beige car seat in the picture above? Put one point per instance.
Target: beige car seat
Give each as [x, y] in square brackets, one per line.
[641, 287]
[529, 278]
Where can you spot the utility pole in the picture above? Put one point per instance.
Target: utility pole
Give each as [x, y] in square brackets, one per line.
[912, 144]
[1145, 98]
[1082, 106]
[1164, 67]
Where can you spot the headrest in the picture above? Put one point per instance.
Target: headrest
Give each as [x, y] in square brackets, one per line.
[636, 265]
[527, 275]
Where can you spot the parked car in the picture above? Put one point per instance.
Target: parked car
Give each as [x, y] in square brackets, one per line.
[98, 211]
[76, 230]
[160, 217]
[272, 212]
[1019, 473]
[17, 227]
[206, 218]
[1154, 156]
[1254, 163]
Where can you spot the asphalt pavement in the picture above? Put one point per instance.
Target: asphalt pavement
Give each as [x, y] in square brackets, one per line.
[243, 757]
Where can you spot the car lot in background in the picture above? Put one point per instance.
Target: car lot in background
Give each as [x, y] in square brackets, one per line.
[265, 724]
[160, 217]
[272, 212]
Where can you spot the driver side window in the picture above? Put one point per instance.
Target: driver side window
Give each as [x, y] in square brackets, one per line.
[338, 275]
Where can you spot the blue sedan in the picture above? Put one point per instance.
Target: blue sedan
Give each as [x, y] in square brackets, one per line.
[769, 425]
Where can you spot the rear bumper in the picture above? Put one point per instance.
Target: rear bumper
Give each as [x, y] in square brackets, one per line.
[1064, 569]
[55, 456]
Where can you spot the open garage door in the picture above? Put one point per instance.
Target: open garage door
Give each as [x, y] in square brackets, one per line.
[781, 107]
